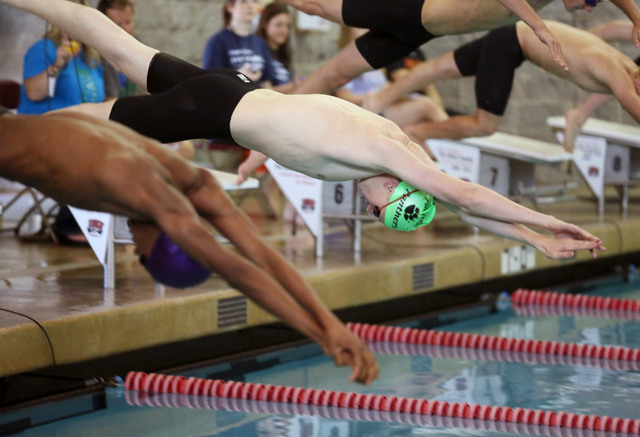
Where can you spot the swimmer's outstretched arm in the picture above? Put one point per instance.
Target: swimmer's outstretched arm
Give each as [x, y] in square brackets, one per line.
[624, 89]
[336, 340]
[631, 10]
[526, 13]
[563, 245]
[92, 27]
[484, 207]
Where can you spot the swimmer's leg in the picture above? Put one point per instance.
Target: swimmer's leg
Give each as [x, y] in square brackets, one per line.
[575, 118]
[340, 69]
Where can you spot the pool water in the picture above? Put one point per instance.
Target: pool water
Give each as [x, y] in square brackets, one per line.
[414, 372]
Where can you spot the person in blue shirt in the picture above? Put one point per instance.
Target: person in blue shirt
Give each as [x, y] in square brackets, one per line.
[237, 47]
[58, 73]
[274, 27]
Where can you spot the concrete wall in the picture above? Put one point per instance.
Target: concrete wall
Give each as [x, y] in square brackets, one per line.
[182, 27]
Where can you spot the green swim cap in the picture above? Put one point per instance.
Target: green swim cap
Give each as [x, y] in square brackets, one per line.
[414, 208]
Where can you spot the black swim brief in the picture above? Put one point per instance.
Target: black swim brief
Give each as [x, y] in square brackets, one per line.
[493, 60]
[187, 102]
[395, 28]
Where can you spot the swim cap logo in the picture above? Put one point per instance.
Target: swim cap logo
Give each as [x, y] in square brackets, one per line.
[396, 215]
[411, 213]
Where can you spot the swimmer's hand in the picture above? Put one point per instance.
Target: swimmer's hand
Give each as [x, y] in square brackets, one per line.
[249, 165]
[635, 34]
[347, 349]
[568, 240]
[242, 176]
[544, 34]
[371, 103]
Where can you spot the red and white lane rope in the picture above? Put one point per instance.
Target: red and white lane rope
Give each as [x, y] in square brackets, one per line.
[489, 342]
[536, 302]
[168, 400]
[387, 348]
[170, 384]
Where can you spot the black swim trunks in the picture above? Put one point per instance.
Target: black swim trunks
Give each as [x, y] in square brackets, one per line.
[493, 60]
[395, 28]
[186, 102]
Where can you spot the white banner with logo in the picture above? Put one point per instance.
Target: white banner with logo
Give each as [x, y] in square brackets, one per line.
[95, 226]
[457, 159]
[304, 193]
[591, 161]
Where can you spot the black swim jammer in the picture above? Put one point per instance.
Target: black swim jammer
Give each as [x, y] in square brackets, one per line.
[186, 102]
[395, 28]
[493, 60]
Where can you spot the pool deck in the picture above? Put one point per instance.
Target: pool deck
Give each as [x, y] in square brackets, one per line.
[61, 287]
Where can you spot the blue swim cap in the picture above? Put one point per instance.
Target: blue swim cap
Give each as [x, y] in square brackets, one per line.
[169, 265]
[409, 208]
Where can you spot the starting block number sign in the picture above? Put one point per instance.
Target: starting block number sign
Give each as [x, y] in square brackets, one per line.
[337, 197]
[517, 259]
[457, 159]
[470, 164]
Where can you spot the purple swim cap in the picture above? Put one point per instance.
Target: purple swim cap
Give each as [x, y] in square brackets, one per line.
[169, 265]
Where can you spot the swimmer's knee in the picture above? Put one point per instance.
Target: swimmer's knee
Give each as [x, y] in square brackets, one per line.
[486, 123]
[486, 128]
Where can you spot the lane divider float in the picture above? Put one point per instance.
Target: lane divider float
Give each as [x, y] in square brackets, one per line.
[398, 334]
[536, 302]
[162, 385]
[167, 400]
[444, 352]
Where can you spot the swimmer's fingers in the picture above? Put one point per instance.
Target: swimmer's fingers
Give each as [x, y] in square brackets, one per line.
[365, 367]
[347, 349]
[635, 35]
[565, 248]
[544, 34]
[560, 59]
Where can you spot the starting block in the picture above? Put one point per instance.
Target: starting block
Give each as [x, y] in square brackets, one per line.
[610, 156]
[315, 201]
[503, 162]
[104, 230]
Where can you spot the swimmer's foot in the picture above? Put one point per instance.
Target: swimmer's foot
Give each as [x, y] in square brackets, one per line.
[370, 103]
[572, 126]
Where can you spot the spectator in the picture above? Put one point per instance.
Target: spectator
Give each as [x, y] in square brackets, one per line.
[122, 13]
[274, 27]
[237, 47]
[59, 72]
